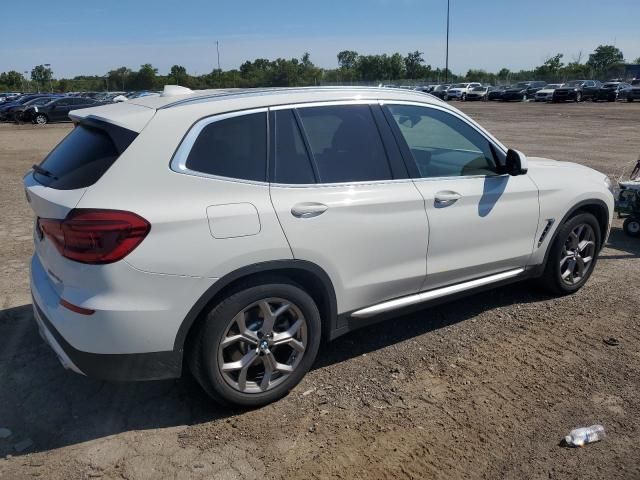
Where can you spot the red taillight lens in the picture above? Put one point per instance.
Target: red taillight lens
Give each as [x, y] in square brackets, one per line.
[96, 236]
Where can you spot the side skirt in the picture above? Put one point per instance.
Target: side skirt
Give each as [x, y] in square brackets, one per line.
[419, 301]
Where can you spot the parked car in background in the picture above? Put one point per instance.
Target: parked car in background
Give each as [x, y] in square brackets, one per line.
[576, 91]
[440, 90]
[459, 91]
[8, 96]
[57, 110]
[480, 93]
[497, 93]
[522, 90]
[546, 94]
[16, 113]
[6, 106]
[634, 94]
[612, 91]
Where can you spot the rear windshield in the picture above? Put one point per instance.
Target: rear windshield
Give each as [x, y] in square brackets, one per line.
[83, 156]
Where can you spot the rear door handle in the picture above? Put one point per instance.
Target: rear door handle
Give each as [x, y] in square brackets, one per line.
[446, 198]
[308, 209]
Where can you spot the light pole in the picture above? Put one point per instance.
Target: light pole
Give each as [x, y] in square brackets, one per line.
[446, 68]
[219, 71]
[48, 65]
[25, 82]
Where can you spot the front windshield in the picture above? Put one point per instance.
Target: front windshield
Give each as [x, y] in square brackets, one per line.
[460, 85]
[610, 85]
[574, 83]
[521, 85]
[554, 85]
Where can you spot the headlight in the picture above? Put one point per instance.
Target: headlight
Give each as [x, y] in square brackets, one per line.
[609, 184]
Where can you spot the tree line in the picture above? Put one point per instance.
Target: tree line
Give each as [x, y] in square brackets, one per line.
[605, 62]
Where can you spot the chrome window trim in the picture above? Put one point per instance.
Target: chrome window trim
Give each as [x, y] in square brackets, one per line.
[179, 161]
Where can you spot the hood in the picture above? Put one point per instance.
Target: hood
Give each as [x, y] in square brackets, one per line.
[539, 164]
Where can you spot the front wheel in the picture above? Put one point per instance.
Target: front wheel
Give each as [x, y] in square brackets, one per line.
[578, 97]
[40, 119]
[631, 226]
[573, 255]
[256, 345]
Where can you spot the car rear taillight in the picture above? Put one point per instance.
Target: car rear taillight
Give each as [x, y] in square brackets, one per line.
[95, 236]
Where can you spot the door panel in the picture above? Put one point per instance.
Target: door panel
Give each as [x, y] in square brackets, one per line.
[489, 228]
[370, 239]
[480, 222]
[350, 213]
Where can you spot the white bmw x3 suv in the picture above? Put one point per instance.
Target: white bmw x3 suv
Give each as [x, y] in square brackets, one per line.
[232, 231]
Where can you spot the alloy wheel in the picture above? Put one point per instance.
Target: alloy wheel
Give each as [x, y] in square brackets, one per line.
[263, 345]
[578, 253]
[41, 119]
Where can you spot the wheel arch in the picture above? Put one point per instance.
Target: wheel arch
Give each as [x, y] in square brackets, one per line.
[596, 207]
[308, 275]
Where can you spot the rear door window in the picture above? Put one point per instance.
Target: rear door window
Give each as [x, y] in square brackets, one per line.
[345, 143]
[234, 147]
[293, 165]
[83, 156]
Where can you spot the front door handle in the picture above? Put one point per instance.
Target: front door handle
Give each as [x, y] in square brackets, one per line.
[446, 198]
[308, 209]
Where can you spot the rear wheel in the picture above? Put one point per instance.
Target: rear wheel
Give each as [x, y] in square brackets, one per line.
[631, 226]
[255, 346]
[629, 99]
[573, 255]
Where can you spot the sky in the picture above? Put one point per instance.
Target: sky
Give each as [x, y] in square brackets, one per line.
[90, 37]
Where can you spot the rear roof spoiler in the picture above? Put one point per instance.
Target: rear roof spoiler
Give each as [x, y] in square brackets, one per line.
[126, 115]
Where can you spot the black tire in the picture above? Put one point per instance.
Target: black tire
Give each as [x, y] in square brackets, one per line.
[551, 279]
[629, 99]
[40, 119]
[631, 226]
[205, 342]
[578, 97]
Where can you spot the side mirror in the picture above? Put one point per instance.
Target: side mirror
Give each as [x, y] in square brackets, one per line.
[516, 163]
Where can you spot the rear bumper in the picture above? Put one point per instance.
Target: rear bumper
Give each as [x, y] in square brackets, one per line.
[111, 367]
[120, 341]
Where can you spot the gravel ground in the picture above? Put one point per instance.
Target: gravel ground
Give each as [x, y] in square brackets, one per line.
[484, 387]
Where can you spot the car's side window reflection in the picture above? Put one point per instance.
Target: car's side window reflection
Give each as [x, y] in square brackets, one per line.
[441, 144]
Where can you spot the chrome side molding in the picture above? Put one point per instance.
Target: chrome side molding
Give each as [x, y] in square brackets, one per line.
[394, 304]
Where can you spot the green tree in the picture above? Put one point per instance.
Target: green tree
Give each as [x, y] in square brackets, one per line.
[604, 59]
[119, 77]
[637, 61]
[348, 59]
[145, 78]
[504, 73]
[178, 74]
[12, 80]
[41, 75]
[413, 64]
[550, 69]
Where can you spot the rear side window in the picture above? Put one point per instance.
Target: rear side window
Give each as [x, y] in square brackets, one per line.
[293, 165]
[235, 147]
[345, 143]
[83, 156]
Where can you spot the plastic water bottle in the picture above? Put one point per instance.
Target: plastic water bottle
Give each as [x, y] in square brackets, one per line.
[581, 436]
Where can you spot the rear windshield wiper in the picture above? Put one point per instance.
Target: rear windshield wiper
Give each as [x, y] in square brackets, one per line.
[43, 171]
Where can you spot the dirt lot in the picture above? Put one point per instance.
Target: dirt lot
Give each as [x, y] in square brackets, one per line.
[481, 388]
